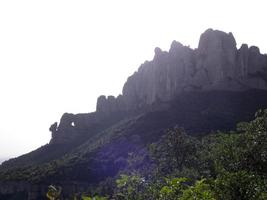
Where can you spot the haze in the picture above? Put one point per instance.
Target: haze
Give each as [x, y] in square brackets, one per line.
[59, 56]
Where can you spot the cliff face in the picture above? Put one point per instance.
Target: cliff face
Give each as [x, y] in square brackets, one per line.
[215, 65]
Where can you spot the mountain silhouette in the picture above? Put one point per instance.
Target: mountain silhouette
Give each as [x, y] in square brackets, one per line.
[203, 90]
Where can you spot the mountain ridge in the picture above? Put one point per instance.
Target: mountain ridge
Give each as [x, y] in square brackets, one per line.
[206, 89]
[216, 64]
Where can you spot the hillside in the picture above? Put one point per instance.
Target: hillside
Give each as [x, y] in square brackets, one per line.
[2, 160]
[202, 90]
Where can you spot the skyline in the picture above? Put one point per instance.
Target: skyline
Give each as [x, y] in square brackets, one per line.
[59, 56]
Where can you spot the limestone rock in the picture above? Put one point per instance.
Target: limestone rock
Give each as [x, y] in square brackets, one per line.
[161, 78]
[64, 132]
[53, 129]
[108, 105]
[216, 54]
[242, 62]
[215, 65]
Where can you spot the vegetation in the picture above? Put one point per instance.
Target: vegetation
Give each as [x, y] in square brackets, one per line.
[221, 166]
[53, 192]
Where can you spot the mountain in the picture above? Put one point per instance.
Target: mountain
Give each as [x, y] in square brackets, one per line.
[202, 90]
[2, 160]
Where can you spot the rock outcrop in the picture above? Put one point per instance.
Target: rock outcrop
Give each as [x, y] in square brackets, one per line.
[216, 64]
[75, 128]
[72, 127]
[110, 104]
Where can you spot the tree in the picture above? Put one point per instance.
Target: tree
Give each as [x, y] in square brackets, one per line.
[175, 151]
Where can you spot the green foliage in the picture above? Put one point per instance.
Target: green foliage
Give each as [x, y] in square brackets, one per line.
[174, 152]
[240, 185]
[199, 191]
[93, 198]
[173, 188]
[233, 166]
[65, 164]
[221, 166]
[129, 187]
[53, 192]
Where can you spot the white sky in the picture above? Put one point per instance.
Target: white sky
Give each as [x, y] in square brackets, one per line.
[59, 56]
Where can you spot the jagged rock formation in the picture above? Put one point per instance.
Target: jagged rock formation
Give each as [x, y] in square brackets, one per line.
[109, 104]
[216, 64]
[76, 128]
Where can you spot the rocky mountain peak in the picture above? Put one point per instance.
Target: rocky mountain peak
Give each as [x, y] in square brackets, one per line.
[157, 51]
[216, 54]
[216, 39]
[216, 64]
